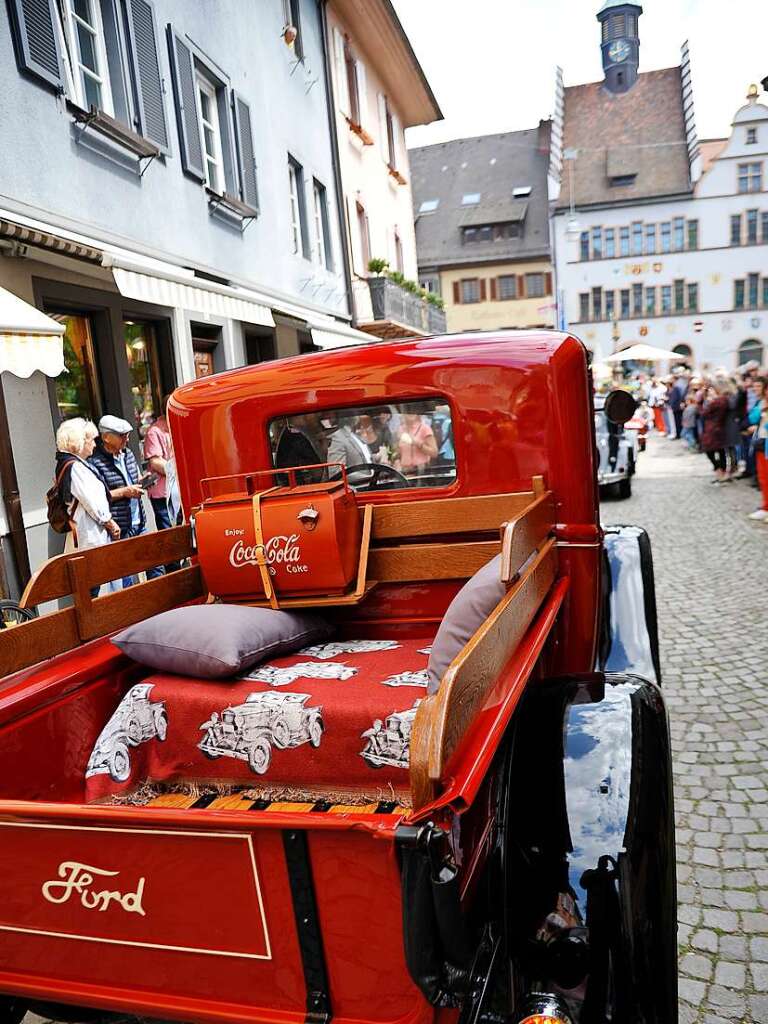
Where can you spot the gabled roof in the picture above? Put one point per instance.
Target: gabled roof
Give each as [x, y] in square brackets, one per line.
[640, 132]
[491, 167]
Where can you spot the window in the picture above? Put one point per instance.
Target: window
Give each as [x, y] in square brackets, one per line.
[637, 239]
[650, 239]
[323, 252]
[584, 245]
[679, 296]
[415, 438]
[597, 303]
[750, 351]
[666, 298]
[469, 290]
[750, 177]
[610, 243]
[610, 304]
[298, 233]
[85, 55]
[666, 237]
[693, 298]
[534, 286]
[622, 180]
[693, 234]
[764, 227]
[618, 26]
[678, 233]
[144, 372]
[364, 236]
[470, 199]
[399, 253]
[210, 134]
[485, 233]
[259, 345]
[77, 390]
[637, 300]
[292, 17]
[507, 286]
[752, 290]
[751, 136]
[429, 206]
[584, 307]
[597, 243]
[735, 229]
[650, 302]
[765, 293]
[751, 227]
[624, 308]
[685, 352]
[624, 241]
[509, 230]
[738, 295]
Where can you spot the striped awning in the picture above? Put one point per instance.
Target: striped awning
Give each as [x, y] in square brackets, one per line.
[29, 340]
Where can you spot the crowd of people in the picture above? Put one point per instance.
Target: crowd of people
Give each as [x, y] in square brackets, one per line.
[102, 486]
[723, 415]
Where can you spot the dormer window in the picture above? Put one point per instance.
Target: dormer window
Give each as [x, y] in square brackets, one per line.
[751, 136]
[622, 180]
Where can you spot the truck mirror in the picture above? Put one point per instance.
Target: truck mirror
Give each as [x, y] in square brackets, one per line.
[619, 406]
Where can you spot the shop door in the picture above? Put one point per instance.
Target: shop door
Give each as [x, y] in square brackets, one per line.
[78, 392]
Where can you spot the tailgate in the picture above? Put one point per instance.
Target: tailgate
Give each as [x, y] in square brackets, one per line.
[206, 916]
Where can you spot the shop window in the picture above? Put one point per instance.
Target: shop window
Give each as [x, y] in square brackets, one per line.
[77, 390]
[205, 346]
[144, 370]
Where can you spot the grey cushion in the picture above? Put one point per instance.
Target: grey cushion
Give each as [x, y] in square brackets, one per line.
[466, 613]
[213, 641]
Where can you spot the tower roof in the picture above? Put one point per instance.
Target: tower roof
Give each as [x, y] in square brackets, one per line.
[617, 3]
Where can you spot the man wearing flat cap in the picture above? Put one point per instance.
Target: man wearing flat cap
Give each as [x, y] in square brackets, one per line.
[117, 466]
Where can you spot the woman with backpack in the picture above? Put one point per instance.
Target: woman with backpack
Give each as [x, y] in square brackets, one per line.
[80, 488]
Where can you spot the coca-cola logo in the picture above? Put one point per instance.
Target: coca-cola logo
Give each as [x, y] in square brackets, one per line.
[279, 550]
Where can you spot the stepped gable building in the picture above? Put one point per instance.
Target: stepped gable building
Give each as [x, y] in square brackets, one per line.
[624, 160]
[482, 231]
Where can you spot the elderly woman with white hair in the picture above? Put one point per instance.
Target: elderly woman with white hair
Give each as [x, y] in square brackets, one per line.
[82, 489]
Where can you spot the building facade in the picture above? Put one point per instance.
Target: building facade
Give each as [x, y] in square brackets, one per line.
[482, 229]
[379, 89]
[169, 196]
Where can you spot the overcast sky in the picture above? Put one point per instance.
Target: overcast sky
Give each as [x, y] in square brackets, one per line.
[491, 63]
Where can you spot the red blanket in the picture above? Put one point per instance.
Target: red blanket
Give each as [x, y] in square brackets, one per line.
[336, 715]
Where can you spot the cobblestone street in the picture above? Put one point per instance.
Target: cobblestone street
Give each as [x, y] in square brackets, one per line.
[710, 566]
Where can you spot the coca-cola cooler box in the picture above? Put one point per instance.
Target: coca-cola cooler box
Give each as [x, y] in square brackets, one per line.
[295, 539]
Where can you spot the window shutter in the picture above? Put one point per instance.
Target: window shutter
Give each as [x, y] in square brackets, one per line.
[397, 135]
[521, 286]
[383, 139]
[493, 289]
[146, 67]
[548, 284]
[34, 38]
[342, 86]
[362, 93]
[482, 289]
[457, 293]
[183, 74]
[246, 158]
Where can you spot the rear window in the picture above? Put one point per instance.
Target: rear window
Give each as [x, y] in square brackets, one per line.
[383, 447]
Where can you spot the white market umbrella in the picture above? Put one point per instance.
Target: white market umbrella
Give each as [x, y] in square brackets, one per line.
[642, 354]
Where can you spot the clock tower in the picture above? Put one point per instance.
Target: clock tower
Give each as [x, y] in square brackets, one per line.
[620, 43]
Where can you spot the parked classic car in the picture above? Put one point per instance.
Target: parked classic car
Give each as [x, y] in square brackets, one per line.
[523, 864]
[249, 731]
[617, 451]
[136, 720]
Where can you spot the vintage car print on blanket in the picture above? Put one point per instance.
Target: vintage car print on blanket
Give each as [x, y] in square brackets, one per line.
[249, 731]
[335, 648]
[420, 678]
[136, 720]
[389, 742]
[304, 670]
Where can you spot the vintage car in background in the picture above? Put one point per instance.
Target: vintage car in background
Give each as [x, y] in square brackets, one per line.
[617, 450]
[516, 862]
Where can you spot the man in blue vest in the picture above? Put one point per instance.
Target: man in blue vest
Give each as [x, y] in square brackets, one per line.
[118, 468]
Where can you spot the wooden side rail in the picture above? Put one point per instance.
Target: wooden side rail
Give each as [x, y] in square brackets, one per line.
[438, 516]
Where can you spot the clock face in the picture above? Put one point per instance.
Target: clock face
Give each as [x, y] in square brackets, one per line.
[618, 51]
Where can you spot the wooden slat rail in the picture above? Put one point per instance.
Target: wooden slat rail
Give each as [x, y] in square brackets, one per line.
[110, 562]
[437, 516]
[522, 536]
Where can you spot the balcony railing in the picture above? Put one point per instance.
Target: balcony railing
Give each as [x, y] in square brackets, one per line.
[386, 302]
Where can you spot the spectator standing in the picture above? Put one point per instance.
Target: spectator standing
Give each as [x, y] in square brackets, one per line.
[118, 468]
[713, 435]
[657, 396]
[675, 408]
[158, 453]
[688, 422]
[758, 422]
[416, 445]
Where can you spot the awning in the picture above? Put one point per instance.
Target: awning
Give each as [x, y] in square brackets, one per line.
[29, 340]
[642, 354]
[192, 293]
[333, 334]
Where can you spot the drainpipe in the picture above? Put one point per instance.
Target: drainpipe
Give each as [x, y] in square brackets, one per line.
[12, 498]
[330, 103]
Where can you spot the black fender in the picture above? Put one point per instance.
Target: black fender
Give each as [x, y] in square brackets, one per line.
[591, 856]
[629, 634]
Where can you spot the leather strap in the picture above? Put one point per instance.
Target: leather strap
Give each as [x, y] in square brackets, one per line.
[260, 550]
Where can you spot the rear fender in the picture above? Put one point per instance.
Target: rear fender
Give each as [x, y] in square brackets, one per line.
[590, 858]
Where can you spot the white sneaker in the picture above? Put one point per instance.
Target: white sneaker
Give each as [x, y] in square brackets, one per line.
[759, 514]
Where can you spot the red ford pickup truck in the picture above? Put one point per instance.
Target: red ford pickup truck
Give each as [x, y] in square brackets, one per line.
[452, 801]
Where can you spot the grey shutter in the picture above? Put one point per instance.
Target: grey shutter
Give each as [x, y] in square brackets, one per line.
[246, 158]
[183, 74]
[34, 38]
[146, 69]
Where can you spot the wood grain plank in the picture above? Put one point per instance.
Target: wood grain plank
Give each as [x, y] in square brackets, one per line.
[37, 640]
[414, 563]
[109, 562]
[447, 515]
[524, 535]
